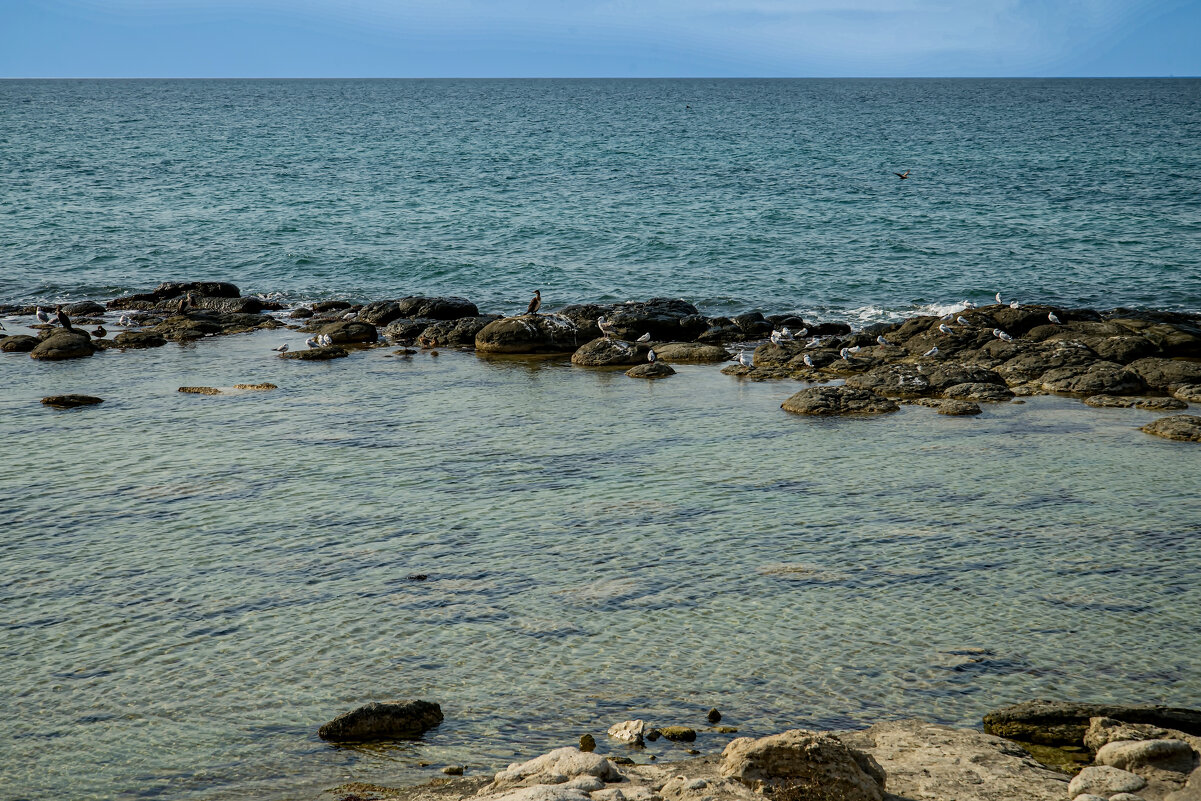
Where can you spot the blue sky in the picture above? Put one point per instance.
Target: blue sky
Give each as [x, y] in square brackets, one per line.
[597, 38]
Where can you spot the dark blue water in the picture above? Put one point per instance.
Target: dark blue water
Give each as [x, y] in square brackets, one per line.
[776, 194]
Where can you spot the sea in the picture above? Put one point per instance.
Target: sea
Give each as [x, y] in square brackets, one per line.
[193, 584]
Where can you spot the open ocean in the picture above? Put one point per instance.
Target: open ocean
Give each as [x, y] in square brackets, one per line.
[192, 585]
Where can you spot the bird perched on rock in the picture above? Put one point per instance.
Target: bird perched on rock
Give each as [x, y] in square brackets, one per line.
[63, 319]
[650, 355]
[745, 359]
[855, 348]
[99, 333]
[775, 337]
[967, 304]
[312, 343]
[845, 353]
[605, 326]
[998, 297]
[42, 316]
[999, 334]
[182, 306]
[124, 320]
[902, 175]
[933, 351]
[946, 329]
[535, 302]
[1013, 304]
[349, 316]
[325, 340]
[281, 348]
[645, 337]
[963, 320]
[809, 361]
[882, 341]
[1053, 318]
[786, 334]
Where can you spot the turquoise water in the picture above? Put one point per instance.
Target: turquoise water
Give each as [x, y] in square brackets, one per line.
[734, 194]
[194, 584]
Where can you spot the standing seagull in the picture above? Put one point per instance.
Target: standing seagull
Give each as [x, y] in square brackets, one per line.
[601, 323]
[645, 338]
[809, 361]
[63, 319]
[312, 343]
[999, 334]
[963, 320]
[1013, 304]
[998, 297]
[776, 336]
[845, 353]
[881, 340]
[744, 358]
[932, 352]
[535, 302]
[650, 356]
[42, 316]
[281, 348]
[903, 175]
[946, 329]
[1051, 316]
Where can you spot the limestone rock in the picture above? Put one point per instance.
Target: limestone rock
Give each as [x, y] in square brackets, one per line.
[929, 761]
[604, 352]
[686, 788]
[1188, 392]
[651, 370]
[799, 762]
[1191, 790]
[1183, 427]
[139, 339]
[631, 732]
[200, 390]
[958, 408]
[71, 401]
[383, 721]
[979, 392]
[529, 333]
[692, 353]
[263, 387]
[837, 400]
[1102, 731]
[543, 792]
[568, 763]
[64, 344]
[1065, 723]
[1132, 755]
[1104, 781]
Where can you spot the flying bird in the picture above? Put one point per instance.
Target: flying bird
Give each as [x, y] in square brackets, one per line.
[1051, 316]
[999, 334]
[535, 302]
[281, 348]
[902, 175]
[931, 352]
[946, 329]
[63, 319]
[645, 337]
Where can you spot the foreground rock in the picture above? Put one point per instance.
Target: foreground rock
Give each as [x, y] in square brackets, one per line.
[64, 344]
[1065, 723]
[826, 401]
[691, 353]
[454, 333]
[651, 370]
[800, 763]
[382, 721]
[18, 343]
[316, 354]
[1182, 427]
[529, 333]
[560, 766]
[139, 339]
[71, 401]
[604, 352]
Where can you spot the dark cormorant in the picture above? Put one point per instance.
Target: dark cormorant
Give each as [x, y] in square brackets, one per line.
[535, 302]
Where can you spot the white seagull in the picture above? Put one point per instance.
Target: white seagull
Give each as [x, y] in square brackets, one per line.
[963, 320]
[845, 353]
[650, 355]
[349, 316]
[776, 336]
[804, 332]
[809, 361]
[1013, 304]
[786, 334]
[42, 316]
[999, 334]
[124, 320]
[931, 352]
[744, 358]
[882, 340]
[967, 304]
[813, 343]
[645, 338]
[854, 348]
[946, 329]
[604, 326]
[998, 297]
[281, 348]
[1051, 316]
[312, 343]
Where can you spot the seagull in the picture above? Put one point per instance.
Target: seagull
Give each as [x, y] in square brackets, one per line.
[809, 361]
[963, 320]
[650, 356]
[124, 320]
[312, 342]
[325, 340]
[63, 319]
[903, 175]
[855, 348]
[998, 297]
[946, 329]
[999, 334]
[931, 352]
[1051, 316]
[281, 348]
[845, 353]
[349, 316]
[42, 316]
[99, 332]
[802, 333]
[882, 340]
[535, 302]
[948, 316]
[745, 358]
[786, 334]
[605, 326]
[813, 343]
[776, 336]
[1013, 304]
[967, 304]
[645, 337]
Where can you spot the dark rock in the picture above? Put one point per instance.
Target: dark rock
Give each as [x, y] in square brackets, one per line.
[1124, 349]
[753, 325]
[1028, 362]
[830, 330]
[691, 353]
[382, 721]
[18, 343]
[347, 332]
[1065, 723]
[665, 319]
[139, 339]
[437, 308]
[84, 308]
[893, 380]
[1165, 374]
[587, 743]
[405, 329]
[837, 400]
[714, 716]
[324, 306]
[316, 354]
[958, 408]
[606, 352]
[224, 305]
[200, 390]
[1099, 378]
[214, 289]
[989, 393]
[380, 313]
[529, 333]
[651, 370]
[453, 770]
[303, 313]
[718, 334]
[195, 324]
[454, 333]
[64, 344]
[1185, 428]
[679, 734]
[770, 354]
[945, 376]
[71, 401]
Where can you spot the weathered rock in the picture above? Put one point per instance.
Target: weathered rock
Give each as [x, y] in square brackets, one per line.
[893, 380]
[200, 390]
[453, 770]
[1182, 427]
[1102, 731]
[1160, 404]
[454, 333]
[407, 329]
[221, 305]
[555, 767]
[713, 716]
[771, 354]
[198, 323]
[1027, 362]
[18, 343]
[837, 400]
[71, 401]
[1105, 781]
[1167, 374]
[945, 376]
[1132, 755]
[382, 721]
[940, 763]
[665, 319]
[323, 306]
[1124, 349]
[347, 332]
[1099, 378]
[436, 308]
[630, 732]
[316, 354]
[529, 333]
[64, 344]
[691, 353]
[958, 408]
[302, 313]
[543, 792]
[84, 308]
[988, 393]
[1190, 393]
[651, 370]
[263, 387]
[800, 764]
[380, 312]
[680, 734]
[686, 788]
[1191, 790]
[1065, 723]
[139, 339]
[587, 743]
[604, 352]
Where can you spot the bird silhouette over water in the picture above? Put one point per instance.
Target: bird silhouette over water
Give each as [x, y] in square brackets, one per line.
[535, 302]
[902, 175]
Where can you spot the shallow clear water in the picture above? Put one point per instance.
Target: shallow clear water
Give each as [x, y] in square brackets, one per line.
[194, 584]
[735, 194]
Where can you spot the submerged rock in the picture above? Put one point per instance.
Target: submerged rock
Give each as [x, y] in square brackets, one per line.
[200, 390]
[651, 370]
[958, 408]
[836, 401]
[71, 401]
[801, 764]
[139, 339]
[1182, 427]
[382, 721]
[316, 354]
[264, 387]
[680, 734]
[987, 393]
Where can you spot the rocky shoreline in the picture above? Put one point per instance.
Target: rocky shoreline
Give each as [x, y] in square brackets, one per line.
[997, 353]
[1035, 751]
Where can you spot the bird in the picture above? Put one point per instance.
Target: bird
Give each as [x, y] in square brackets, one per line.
[967, 304]
[182, 306]
[804, 332]
[809, 361]
[63, 319]
[855, 348]
[1051, 316]
[963, 320]
[281, 348]
[124, 320]
[2, 327]
[645, 337]
[1013, 304]
[650, 356]
[813, 343]
[881, 340]
[946, 329]
[744, 358]
[99, 333]
[845, 353]
[535, 302]
[948, 316]
[605, 326]
[931, 352]
[786, 334]
[349, 316]
[775, 337]
[998, 297]
[312, 343]
[999, 334]
[42, 316]
[902, 175]
[325, 339]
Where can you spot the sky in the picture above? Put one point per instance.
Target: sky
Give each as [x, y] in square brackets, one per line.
[599, 38]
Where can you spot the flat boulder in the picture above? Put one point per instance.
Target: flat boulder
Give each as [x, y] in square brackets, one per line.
[1190, 393]
[556, 767]
[1182, 427]
[84, 308]
[349, 332]
[71, 401]
[380, 313]
[1166, 374]
[382, 721]
[604, 352]
[803, 764]
[316, 354]
[18, 343]
[826, 401]
[1124, 349]
[958, 408]
[1065, 723]
[436, 308]
[64, 344]
[529, 333]
[987, 393]
[665, 319]
[651, 370]
[894, 380]
[945, 376]
[1099, 378]
[1135, 755]
[1030, 361]
[693, 353]
[407, 329]
[139, 339]
[772, 354]
[454, 333]
[1104, 781]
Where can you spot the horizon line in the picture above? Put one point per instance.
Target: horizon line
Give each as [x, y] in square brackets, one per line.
[588, 77]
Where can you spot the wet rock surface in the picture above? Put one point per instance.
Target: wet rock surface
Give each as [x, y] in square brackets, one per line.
[530, 333]
[826, 401]
[1065, 723]
[71, 401]
[382, 721]
[651, 370]
[63, 344]
[1181, 427]
[604, 352]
